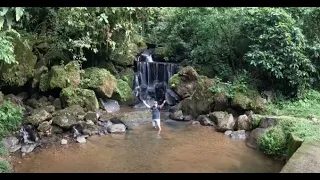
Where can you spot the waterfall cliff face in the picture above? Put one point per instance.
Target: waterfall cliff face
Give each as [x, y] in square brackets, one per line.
[151, 80]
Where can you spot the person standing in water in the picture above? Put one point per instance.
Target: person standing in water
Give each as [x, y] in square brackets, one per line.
[155, 113]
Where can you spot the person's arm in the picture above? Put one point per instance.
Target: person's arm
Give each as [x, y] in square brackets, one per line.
[162, 104]
[146, 104]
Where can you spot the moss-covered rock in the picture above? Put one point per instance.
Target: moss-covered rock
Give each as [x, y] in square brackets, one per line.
[99, 80]
[249, 101]
[127, 75]
[123, 93]
[294, 143]
[61, 77]
[37, 76]
[44, 84]
[18, 74]
[201, 101]
[184, 83]
[76, 96]
[241, 101]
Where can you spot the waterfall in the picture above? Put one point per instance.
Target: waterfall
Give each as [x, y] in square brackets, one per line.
[151, 80]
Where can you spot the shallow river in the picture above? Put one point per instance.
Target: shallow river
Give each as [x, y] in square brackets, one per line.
[181, 147]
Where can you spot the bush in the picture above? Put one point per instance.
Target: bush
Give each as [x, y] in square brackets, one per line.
[3, 150]
[10, 118]
[4, 167]
[275, 141]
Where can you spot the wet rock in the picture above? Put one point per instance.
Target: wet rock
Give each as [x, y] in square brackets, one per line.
[89, 129]
[104, 123]
[178, 115]
[228, 133]
[188, 118]
[27, 148]
[128, 118]
[11, 144]
[116, 128]
[64, 121]
[267, 122]
[74, 110]
[49, 109]
[111, 106]
[45, 126]
[81, 139]
[64, 142]
[195, 122]
[56, 130]
[38, 116]
[244, 123]
[57, 104]
[238, 135]
[223, 120]
[92, 116]
[254, 136]
[205, 121]
[173, 109]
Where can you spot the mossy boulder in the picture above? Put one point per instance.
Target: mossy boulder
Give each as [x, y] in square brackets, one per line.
[123, 93]
[249, 101]
[38, 73]
[294, 143]
[61, 77]
[127, 75]
[76, 96]
[184, 83]
[201, 101]
[100, 80]
[19, 73]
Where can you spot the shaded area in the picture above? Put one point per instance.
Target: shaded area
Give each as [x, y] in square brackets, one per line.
[181, 147]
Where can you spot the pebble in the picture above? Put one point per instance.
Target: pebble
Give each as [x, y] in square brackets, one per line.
[64, 141]
[81, 139]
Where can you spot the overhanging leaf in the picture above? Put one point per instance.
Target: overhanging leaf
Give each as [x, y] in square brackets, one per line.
[19, 13]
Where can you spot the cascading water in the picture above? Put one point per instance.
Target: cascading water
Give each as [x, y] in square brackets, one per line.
[151, 80]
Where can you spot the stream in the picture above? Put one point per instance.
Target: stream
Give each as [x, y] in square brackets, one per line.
[181, 147]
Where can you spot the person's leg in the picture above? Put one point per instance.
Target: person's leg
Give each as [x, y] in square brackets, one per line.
[154, 123]
[158, 124]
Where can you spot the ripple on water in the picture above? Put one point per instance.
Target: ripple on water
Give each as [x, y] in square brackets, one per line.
[181, 147]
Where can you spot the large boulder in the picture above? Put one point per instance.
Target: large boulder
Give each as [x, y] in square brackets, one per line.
[64, 121]
[111, 106]
[249, 101]
[223, 120]
[17, 74]
[116, 128]
[74, 110]
[254, 137]
[11, 143]
[129, 119]
[184, 83]
[201, 101]
[38, 116]
[127, 75]
[76, 96]
[99, 80]
[61, 77]
[123, 93]
[294, 143]
[244, 123]
[267, 122]
[178, 115]
[220, 102]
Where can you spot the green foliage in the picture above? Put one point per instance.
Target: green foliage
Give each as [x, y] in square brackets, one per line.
[278, 47]
[304, 106]
[3, 151]
[275, 141]
[10, 118]
[4, 167]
